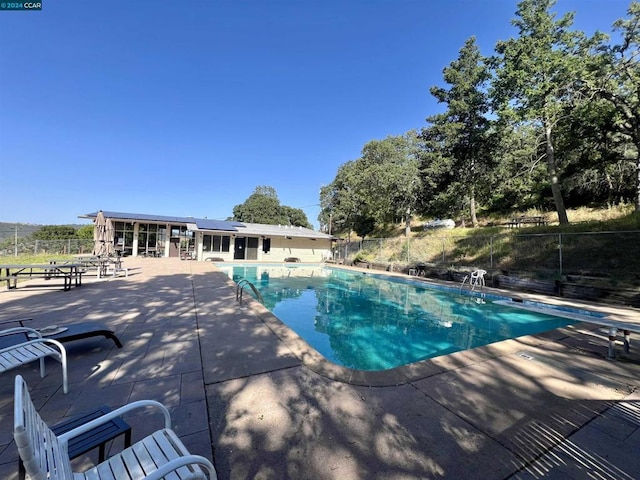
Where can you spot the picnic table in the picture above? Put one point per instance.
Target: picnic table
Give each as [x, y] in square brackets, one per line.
[70, 273]
[517, 222]
[98, 262]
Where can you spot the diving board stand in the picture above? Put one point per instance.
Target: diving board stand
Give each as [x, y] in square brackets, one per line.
[612, 323]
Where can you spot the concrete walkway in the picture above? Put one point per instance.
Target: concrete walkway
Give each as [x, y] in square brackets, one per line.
[252, 396]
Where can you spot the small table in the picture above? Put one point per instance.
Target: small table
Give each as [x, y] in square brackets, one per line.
[98, 437]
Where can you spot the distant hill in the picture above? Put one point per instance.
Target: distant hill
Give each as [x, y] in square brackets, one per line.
[8, 230]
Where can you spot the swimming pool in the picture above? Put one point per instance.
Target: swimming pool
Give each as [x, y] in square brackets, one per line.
[378, 322]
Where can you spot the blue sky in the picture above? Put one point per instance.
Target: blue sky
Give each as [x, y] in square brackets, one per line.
[183, 108]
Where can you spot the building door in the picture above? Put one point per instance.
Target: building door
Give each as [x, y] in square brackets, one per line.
[238, 250]
[252, 248]
[174, 247]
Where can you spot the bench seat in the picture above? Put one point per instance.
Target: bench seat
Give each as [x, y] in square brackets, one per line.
[68, 278]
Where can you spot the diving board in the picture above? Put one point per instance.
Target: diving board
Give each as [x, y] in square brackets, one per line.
[612, 323]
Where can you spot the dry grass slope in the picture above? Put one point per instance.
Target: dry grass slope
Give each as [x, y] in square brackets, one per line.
[600, 246]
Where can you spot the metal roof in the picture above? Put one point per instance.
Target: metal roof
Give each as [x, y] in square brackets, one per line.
[283, 231]
[140, 216]
[205, 224]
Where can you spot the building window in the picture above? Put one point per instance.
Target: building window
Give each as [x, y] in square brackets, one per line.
[215, 243]
[123, 237]
[150, 238]
[266, 245]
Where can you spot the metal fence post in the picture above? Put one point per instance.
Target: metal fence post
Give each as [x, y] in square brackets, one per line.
[560, 252]
[491, 252]
[443, 262]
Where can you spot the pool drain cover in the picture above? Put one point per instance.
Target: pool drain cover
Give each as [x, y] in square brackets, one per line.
[525, 355]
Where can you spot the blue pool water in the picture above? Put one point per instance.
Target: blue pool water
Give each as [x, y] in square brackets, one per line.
[377, 322]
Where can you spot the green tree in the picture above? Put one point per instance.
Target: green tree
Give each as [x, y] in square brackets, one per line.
[391, 178]
[54, 232]
[539, 77]
[599, 169]
[342, 200]
[295, 216]
[617, 80]
[86, 232]
[518, 178]
[263, 206]
[461, 133]
[381, 186]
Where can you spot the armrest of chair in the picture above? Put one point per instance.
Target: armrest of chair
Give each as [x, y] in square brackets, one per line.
[12, 337]
[118, 412]
[169, 467]
[14, 330]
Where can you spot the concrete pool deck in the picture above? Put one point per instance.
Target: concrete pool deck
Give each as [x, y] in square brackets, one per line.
[249, 394]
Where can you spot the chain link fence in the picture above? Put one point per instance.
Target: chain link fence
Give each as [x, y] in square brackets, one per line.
[611, 256]
[607, 255]
[26, 246]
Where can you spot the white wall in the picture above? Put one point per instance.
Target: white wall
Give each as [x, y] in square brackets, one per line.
[305, 249]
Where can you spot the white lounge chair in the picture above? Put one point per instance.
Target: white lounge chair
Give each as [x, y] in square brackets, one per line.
[45, 455]
[27, 351]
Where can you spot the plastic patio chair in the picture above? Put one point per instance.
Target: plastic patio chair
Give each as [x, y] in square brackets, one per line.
[45, 455]
[25, 351]
[477, 277]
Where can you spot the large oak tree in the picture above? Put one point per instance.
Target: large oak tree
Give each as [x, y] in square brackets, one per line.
[263, 206]
[539, 77]
[617, 80]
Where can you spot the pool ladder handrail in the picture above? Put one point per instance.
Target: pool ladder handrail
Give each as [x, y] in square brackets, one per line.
[240, 289]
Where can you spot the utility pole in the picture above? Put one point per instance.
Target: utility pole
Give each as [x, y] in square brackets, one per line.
[15, 243]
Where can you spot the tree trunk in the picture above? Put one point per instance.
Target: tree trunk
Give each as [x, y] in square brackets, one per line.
[472, 207]
[553, 178]
[638, 183]
[407, 225]
[637, 142]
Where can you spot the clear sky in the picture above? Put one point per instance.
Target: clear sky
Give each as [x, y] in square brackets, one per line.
[184, 107]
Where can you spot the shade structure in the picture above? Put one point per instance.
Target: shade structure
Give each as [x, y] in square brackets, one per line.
[110, 233]
[103, 233]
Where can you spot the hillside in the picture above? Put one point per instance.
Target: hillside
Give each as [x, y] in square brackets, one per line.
[8, 230]
[599, 250]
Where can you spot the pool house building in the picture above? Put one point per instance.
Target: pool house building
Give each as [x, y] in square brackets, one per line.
[218, 240]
